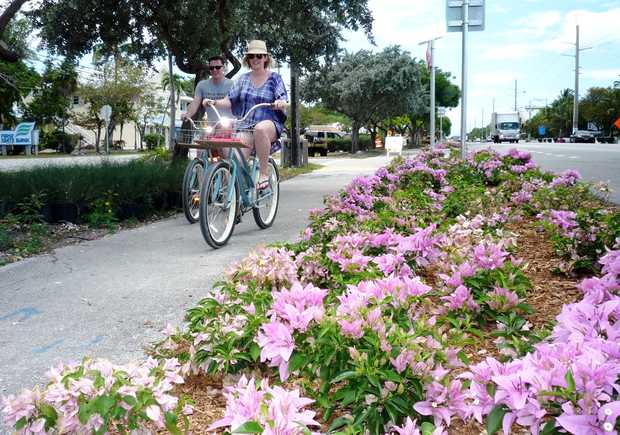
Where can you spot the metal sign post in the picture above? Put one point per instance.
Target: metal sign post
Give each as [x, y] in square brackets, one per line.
[106, 113]
[463, 16]
[431, 65]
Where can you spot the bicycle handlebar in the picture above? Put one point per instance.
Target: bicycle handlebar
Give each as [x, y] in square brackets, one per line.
[219, 117]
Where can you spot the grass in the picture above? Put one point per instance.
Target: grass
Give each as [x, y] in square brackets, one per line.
[287, 173]
[53, 155]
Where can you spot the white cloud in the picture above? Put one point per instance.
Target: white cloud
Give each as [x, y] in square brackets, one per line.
[538, 23]
[594, 28]
[603, 74]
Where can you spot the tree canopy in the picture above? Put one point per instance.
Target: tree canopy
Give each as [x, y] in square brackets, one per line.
[366, 86]
[193, 30]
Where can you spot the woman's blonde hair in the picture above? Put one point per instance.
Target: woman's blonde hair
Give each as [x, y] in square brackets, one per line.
[266, 58]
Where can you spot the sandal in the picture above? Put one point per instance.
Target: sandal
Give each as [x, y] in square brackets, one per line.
[263, 186]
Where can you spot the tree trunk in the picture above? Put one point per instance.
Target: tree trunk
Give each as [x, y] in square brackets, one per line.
[296, 151]
[355, 135]
[98, 138]
[172, 105]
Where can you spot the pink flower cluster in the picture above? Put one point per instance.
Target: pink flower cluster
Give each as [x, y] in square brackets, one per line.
[267, 265]
[582, 357]
[74, 385]
[277, 411]
[298, 306]
[356, 312]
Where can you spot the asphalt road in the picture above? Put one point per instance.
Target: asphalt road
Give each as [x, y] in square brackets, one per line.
[595, 162]
[111, 297]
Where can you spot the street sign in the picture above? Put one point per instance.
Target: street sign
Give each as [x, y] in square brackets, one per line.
[617, 123]
[105, 113]
[541, 130]
[454, 15]
[442, 111]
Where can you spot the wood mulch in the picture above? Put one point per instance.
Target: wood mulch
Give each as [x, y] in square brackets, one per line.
[549, 293]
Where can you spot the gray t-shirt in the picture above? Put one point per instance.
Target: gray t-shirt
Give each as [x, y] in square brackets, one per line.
[208, 89]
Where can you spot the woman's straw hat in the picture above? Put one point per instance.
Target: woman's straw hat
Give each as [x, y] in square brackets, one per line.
[257, 47]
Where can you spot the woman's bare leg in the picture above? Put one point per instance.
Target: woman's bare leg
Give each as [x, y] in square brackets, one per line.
[264, 135]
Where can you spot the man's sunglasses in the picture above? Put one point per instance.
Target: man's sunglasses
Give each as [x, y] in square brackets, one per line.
[212, 67]
[258, 56]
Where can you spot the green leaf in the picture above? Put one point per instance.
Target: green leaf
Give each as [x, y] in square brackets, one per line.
[339, 422]
[130, 400]
[171, 423]
[495, 418]
[254, 351]
[249, 427]
[103, 404]
[344, 375]
[427, 428]
[296, 362]
[570, 380]
[463, 357]
[19, 424]
[549, 428]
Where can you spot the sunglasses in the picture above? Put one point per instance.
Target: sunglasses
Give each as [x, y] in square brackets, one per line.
[212, 67]
[257, 56]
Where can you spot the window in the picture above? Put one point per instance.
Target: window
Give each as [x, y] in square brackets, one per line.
[508, 126]
[76, 100]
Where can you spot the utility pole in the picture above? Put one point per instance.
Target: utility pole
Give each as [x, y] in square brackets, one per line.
[578, 49]
[464, 80]
[515, 95]
[482, 125]
[431, 65]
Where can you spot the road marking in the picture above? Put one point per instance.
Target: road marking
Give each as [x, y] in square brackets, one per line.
[26, 313]
[44, 349]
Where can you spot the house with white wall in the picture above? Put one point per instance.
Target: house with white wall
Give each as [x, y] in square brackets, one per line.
[129, 137]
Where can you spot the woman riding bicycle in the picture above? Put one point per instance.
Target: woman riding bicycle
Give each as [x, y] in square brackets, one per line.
[260, 85]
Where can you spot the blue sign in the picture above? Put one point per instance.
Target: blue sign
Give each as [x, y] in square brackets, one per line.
[541, 130]
[23, 135]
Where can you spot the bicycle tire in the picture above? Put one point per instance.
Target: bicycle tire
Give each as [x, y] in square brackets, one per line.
[192, 182]
[211, 199]
[272, 208]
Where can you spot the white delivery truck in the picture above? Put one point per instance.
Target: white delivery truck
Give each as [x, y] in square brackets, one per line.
[505, 127]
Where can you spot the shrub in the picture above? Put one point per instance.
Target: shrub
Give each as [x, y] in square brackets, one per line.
[154, 140]
[345, 144]
[59, 141]
[135, 182]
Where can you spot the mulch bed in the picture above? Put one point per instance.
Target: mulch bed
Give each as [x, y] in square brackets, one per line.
[550, 292]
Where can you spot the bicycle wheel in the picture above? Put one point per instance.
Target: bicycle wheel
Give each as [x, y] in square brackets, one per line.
[192, 181]
[266, 206]
[217, 210]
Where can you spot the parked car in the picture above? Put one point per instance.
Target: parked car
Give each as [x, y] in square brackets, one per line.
[582, 136]
[317, 141]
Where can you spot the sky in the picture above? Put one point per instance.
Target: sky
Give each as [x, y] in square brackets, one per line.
[523, 40]
[530, 41]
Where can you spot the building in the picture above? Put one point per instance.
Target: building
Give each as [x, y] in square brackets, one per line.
[129, 137]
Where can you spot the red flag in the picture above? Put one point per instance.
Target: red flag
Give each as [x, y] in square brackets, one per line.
[429, 60]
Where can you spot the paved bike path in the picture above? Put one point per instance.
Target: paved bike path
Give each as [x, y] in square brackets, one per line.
[111, 297]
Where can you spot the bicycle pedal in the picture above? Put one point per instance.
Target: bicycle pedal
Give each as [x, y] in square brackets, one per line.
[237, 219]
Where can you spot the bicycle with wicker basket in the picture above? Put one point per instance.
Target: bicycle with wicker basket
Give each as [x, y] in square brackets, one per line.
[220, 186]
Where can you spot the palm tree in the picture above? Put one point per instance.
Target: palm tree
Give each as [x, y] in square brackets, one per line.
[177, 81]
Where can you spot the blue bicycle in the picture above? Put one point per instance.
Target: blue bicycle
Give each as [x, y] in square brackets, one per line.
[218, 190]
